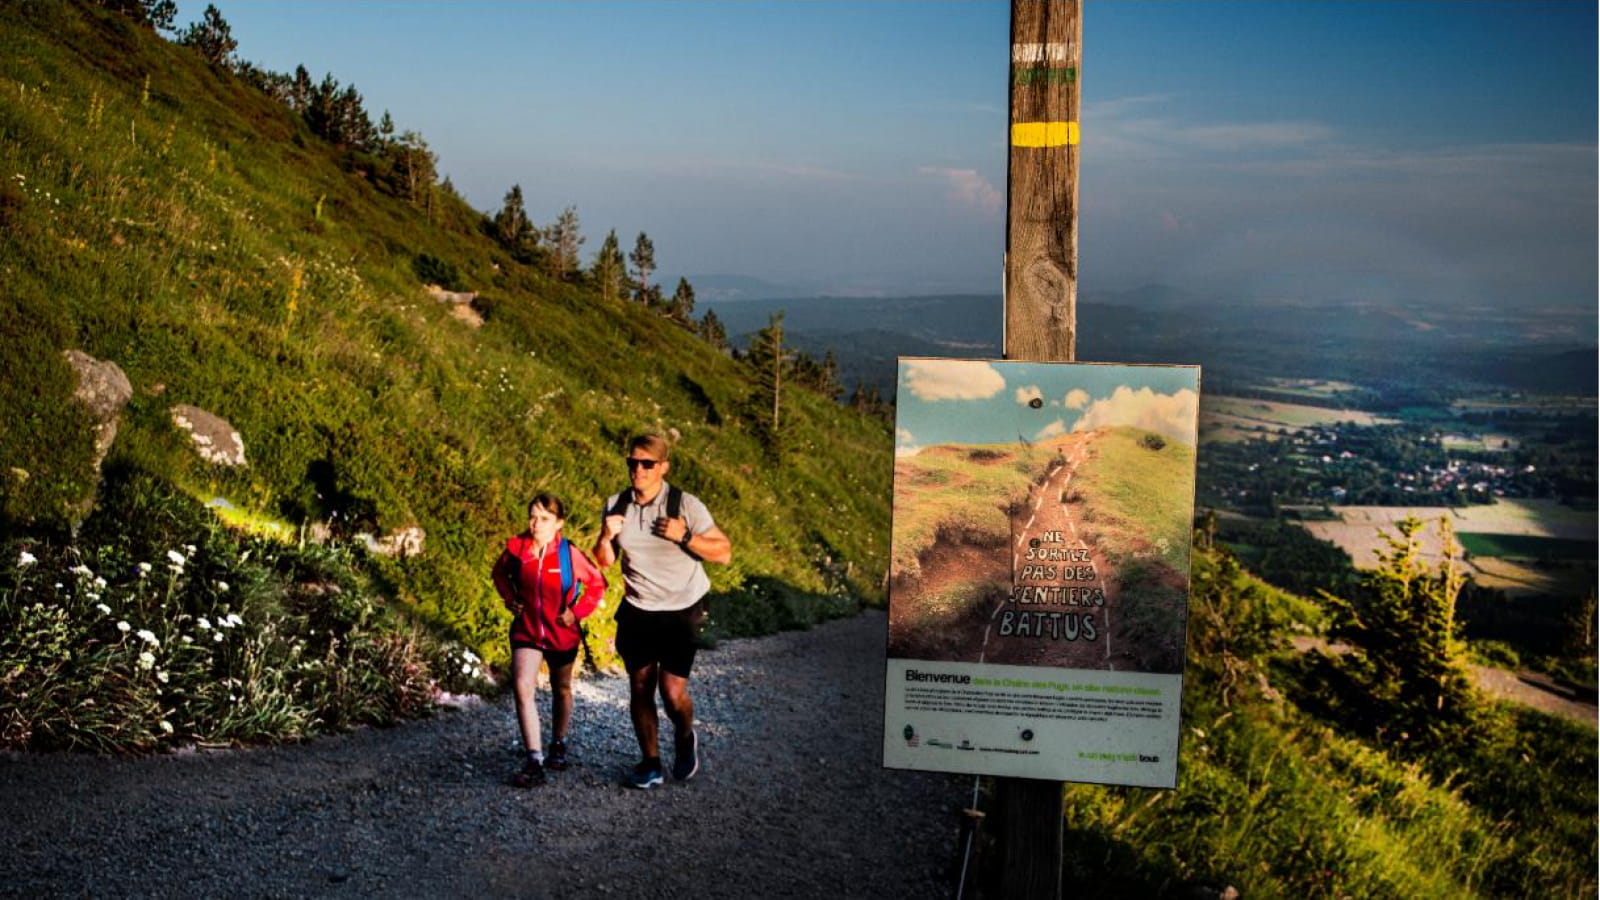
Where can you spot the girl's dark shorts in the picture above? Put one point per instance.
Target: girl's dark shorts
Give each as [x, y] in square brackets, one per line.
[667, 638]
[554, 658]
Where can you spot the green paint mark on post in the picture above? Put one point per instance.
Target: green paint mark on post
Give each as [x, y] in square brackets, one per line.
[1042, 75]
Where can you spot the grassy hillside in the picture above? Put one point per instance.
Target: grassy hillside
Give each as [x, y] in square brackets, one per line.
[159, 213]
[1280, 803]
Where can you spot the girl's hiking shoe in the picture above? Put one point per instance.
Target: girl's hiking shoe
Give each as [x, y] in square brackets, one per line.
[532, 774]
[646, 775]
[557, 760]
[686, 759]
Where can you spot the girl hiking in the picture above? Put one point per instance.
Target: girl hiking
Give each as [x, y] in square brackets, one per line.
[548, 585]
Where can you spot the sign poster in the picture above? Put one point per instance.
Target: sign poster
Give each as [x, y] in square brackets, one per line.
[1039, 571]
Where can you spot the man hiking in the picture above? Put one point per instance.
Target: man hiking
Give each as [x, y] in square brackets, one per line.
[661, 535]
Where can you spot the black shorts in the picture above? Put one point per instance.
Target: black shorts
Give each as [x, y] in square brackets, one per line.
[553, 658]
[668, 638]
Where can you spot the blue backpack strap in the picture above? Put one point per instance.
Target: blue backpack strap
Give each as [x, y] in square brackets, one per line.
[564, 554]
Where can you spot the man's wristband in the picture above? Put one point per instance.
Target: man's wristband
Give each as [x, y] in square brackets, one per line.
[687, 535]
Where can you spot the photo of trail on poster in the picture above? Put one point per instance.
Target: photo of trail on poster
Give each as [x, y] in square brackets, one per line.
[1039, 568]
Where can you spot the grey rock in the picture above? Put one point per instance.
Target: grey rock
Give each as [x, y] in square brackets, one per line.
[214, 439]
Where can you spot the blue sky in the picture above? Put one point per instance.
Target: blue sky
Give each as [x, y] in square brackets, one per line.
[1440, 151]
[942, 401]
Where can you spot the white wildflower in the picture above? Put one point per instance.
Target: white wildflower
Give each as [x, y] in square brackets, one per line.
[165, 725]
[144, 569]
[222, 586]
[187, 639]
[216, 636]
[233, 619]
[104, 609]
[204, 623]
[124, 627]
[176, 557]
[161, 677]
[99, 582]
[147, 660]
[145, 635]
[81, 569]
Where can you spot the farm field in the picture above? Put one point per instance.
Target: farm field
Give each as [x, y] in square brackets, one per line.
[1311, 387]
[1228, 419]
[1516, 529]
[1529, 403]
[1493, 442]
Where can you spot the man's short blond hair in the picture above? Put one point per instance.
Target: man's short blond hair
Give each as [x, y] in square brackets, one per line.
[653, 444]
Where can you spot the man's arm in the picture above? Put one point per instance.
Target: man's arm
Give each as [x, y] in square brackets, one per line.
[711, 545]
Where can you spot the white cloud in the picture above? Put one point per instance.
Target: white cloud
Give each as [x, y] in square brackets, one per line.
[1173, 416]
[1077, 398]
[1026, 395]
[953, 379]
[968, 189]
[905, 443]
[1051, 430]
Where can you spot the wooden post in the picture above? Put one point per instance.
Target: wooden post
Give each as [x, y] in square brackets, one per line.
[1041, 280]
[1041, 308]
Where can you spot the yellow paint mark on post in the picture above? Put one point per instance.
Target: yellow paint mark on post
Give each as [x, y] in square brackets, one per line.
[1044, 134]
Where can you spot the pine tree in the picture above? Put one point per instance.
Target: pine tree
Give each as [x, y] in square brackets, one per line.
[211, 36]
[608, 268]
[301, 95]
[772, 365]
[829, 385]
[156, 15]
[682, 306]
[1409, 660]
[643, 258]
[511, 225]
[712, 331]
[415, 166]
[563, 239]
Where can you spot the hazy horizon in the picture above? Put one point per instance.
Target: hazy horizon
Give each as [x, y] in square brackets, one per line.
[1437, 151]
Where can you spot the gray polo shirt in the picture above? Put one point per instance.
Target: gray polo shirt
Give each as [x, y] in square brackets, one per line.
[657, 574]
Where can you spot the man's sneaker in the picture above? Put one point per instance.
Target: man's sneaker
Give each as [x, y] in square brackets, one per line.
[557, 760]
[532, 774]
[686, 761]
[646, 775]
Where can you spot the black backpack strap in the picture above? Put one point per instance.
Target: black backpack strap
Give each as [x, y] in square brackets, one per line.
[674, 501]
[620, 508]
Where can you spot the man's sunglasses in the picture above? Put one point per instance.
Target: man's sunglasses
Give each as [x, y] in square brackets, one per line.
[648, 464]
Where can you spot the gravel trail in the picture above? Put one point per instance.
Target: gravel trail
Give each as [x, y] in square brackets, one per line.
[790, 802]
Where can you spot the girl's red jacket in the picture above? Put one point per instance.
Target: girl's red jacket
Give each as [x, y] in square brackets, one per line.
[534, 582]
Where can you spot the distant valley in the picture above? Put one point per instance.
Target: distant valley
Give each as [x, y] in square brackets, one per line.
[1413, 352]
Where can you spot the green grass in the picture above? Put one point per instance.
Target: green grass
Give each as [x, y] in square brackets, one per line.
[963, 491]
[1139, 500]
[1522, 546]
